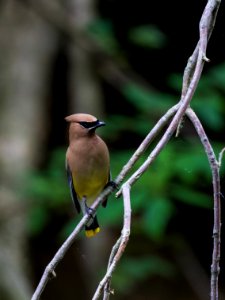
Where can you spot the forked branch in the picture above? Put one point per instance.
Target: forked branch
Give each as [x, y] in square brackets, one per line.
[118, 249]
[191, 78]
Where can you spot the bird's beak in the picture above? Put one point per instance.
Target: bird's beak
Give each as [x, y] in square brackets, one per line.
[100, 124]
[97, 124]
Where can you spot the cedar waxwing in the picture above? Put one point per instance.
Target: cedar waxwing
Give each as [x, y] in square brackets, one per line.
[87, 165]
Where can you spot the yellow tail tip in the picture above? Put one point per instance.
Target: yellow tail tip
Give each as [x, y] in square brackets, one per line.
[92, 232]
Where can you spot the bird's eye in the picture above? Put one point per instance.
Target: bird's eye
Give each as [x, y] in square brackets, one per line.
[89, 124]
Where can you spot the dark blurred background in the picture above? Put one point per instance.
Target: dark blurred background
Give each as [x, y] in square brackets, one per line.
[123, 62]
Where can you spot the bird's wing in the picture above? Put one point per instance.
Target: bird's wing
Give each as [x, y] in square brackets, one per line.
[72, 190]
[104, 202]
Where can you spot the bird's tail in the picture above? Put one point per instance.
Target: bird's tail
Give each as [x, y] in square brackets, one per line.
[92, 229]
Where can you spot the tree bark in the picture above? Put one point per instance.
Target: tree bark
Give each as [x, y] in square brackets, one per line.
[26, 45]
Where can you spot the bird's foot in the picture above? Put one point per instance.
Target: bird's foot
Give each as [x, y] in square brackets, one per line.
[113, 184]
[89, 211]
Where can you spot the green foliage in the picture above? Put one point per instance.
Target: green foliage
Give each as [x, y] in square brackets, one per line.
[171, 177]
[147, 36]
[111, 215]
[142, 98]
[133, 270]
[50, 184]
[216, 77]
[102, 31]
[37, 219]
[48, 191]
[156, 216]
[122, 124]
[180, 173]
[192, 197]
[208, 100]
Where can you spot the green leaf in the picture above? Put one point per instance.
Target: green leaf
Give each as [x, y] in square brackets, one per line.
[113, 213]
[191, 197]
[119, 124]
[175, 81]
[217, 75]
[209, 108]
[38, 217]
[146, 100]
[147, 36]
[133, 270]
[102, 31]
[191, 162]
[157, 215]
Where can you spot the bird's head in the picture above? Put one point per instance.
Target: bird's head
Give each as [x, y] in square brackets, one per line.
[83, 124]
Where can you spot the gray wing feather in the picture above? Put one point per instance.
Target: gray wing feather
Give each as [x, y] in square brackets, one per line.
[72, 190]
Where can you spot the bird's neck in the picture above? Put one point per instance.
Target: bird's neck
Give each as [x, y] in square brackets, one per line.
[74, 138]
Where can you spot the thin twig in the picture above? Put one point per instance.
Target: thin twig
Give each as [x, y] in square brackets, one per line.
[123, 240]
[145, 143]
[221, 157]
[67, 244]
[215, 268]
[107, 288]
[208, 18]
[188, 71]
[192, 78]
[173, 125]
[206, 25]
[50, 269]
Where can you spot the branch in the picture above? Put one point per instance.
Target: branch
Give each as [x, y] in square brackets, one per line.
[214, 165]
[206, 25]
[107, 289]
[145, 143]
[67, 244]
[50, 269]
[221, 156]
[119, 247]
[174, 123]
[190, 81]
[192, 76]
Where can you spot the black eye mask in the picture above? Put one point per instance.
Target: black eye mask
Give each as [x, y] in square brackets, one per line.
[89, 125]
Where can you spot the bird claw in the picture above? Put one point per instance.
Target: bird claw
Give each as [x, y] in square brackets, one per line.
[113, 184]
[90, 211]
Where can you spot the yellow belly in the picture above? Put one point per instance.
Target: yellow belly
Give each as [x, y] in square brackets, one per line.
[90, 189]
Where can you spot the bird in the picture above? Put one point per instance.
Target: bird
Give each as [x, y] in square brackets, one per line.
[87, 166]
